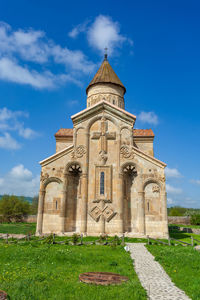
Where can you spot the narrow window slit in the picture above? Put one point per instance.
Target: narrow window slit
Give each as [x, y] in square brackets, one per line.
[102, 183]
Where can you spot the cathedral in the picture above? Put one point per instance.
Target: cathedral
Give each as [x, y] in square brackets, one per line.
[103, 178]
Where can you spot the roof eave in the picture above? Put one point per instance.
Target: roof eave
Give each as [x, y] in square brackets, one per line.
[103, 103]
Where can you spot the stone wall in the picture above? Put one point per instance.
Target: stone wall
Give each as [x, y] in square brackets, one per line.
[30, 219]
[179, 220]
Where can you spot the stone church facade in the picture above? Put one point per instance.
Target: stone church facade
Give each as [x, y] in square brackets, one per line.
[103, 178]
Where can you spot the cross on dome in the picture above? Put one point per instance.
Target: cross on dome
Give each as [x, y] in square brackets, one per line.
[106, 53]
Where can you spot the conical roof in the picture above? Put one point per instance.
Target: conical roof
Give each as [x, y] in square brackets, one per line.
[106, 74]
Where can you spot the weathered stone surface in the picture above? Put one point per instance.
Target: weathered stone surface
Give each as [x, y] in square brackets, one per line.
[185, 220]
[105, 180]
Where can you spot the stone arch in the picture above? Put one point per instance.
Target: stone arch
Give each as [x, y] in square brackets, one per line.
[125, 127]
[152, 180]
[80, 138]
[129, 172]
[51, 179]
[152, 189]
[53, 188]
[73, 172]
[126, 135]
[69, 164]
[76, 129]
[96, 118]
[127, 164]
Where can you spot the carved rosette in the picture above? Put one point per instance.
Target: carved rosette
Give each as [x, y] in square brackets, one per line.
[126, 151]
[79, 152]
[107, 213]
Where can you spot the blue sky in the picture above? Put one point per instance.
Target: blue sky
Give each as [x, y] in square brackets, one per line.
[49, 52]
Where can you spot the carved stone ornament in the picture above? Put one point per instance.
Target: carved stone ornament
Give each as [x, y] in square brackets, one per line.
[104, 200]
[107, 213]
[103, 157]
[79, 151]
[162, 178]
[126, 151]
[155, 189]
[43, 177]
[154, 176]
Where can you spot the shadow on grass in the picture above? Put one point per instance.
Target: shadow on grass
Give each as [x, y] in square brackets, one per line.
[178, 235]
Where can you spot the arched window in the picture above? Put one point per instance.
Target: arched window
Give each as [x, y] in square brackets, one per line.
[56, 205]
[102, 183]
[113, 101]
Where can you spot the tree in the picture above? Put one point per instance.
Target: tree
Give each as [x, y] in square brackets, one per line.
[13, 208]
[34, 205]
[177, 211]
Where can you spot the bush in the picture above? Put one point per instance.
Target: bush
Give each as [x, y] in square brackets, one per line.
[13, 208]
[195, 219]
[75, 238]
[117, 240]
[48, 239]
[177, 211]
[102, 238]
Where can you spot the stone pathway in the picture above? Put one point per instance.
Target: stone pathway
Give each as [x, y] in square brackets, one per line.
[152, 276]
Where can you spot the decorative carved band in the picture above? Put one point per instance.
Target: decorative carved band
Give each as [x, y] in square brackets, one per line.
[104, 200]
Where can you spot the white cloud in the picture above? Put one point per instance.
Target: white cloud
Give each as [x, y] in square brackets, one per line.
[27, 133]
[78, 29]
[12, 71]
[72, 102]
[148, 117]
[172, 173]
[76, 59]
[173, 190]
[20, 181]
[20, 173]
[104, 32]
[21, 46]
[10, 122]
[7, 142]
[195, 181]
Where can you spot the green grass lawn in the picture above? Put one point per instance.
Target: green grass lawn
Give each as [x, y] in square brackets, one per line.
[23, 228]
[185, 237]
[41, 271]
[183, 266]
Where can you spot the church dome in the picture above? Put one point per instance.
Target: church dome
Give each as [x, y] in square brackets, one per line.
[106, 74]
[106, 86]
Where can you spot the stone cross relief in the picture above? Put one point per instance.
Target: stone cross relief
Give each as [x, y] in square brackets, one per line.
[103, 136]
[105, 213]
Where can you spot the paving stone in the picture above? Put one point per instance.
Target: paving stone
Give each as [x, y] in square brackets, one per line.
[152, 276]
